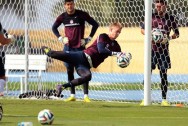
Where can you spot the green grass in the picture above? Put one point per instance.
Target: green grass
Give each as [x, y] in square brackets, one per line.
[121, 86]
[92, 114]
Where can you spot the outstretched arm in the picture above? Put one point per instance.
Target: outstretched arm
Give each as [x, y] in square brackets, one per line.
[102, 49]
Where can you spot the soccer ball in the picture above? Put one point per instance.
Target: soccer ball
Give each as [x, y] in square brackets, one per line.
[45, 117]
[157, 35]
[123, 60]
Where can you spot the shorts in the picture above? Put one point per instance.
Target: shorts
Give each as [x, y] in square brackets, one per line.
[161, 59]
[67, 48]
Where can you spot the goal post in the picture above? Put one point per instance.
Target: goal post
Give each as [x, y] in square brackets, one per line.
[32, 29]
[147, 53]
[26, 44]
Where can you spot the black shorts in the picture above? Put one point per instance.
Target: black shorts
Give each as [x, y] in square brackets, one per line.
[161, 59]
[67, 48]
[2, 69]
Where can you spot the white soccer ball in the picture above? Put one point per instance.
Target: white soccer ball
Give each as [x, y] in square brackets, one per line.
[123, 60]
[157, 35]
[45, 117]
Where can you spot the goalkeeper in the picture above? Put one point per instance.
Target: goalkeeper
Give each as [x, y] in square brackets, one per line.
[73, 40]
[160, 49]
[5, 38]
[105, 45]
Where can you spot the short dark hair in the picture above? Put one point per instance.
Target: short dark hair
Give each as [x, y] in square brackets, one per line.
[68, 1]
[161, 1]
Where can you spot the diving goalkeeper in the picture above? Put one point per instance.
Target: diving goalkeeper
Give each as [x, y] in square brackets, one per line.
[105, 45]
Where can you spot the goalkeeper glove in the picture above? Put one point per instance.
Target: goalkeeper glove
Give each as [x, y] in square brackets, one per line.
[85, 41]
[64, 40]
[129, 55]
[12, 38]
[165, 39]
[118, 54]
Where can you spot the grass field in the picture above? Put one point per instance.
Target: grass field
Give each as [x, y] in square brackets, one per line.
[93, 114]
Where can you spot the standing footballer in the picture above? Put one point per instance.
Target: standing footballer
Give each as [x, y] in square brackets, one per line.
[74, 28]
[164, 22]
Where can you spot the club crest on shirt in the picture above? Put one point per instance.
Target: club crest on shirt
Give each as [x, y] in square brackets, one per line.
[160, 26]
[71, 21]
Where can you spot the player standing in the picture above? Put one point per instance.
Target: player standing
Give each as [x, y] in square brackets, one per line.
[74, 28]
[4, 39]
[160, 50]
[105, 45]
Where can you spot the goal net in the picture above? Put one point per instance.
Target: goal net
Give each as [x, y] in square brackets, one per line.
[109, 82]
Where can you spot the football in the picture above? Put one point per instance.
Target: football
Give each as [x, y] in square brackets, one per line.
[45, 117]
[123, 60]
[157, 35]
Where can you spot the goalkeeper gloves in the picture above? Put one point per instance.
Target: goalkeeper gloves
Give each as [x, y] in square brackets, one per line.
[118, 54]
[165, 39]
[12, 38]
[64, 40]
[127, 55]
[85, 41]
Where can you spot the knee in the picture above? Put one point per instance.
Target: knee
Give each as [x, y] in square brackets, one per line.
[88, 77]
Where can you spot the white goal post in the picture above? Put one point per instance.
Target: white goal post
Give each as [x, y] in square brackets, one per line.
[31, 21]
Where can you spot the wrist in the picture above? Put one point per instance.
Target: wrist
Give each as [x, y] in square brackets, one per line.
[60, 38]
[170, 38]
[90, 38]
[114, 53]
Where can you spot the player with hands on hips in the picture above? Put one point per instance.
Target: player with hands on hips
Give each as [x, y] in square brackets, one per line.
[73, 38]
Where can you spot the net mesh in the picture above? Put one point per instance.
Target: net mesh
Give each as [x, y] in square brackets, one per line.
[109, 82]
